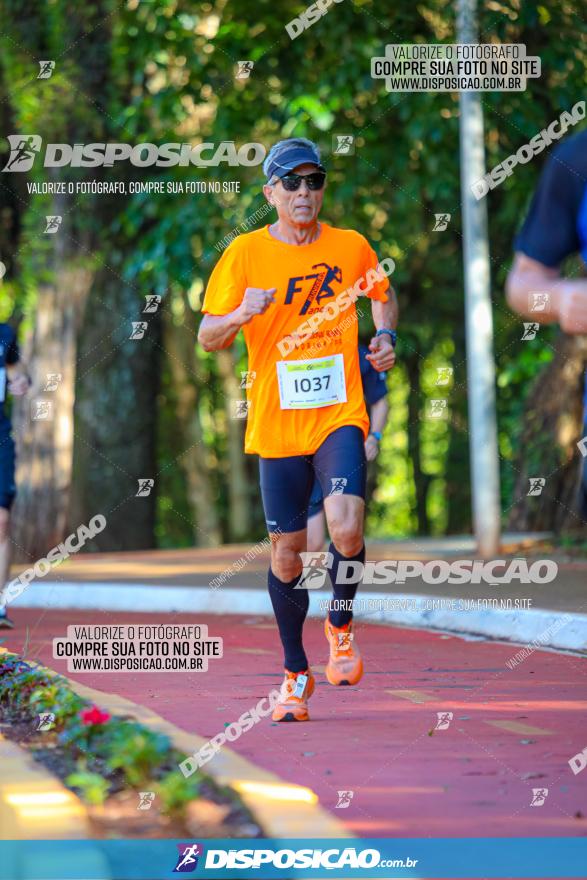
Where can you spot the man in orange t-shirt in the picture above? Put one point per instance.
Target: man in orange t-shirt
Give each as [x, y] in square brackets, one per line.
[292, 288]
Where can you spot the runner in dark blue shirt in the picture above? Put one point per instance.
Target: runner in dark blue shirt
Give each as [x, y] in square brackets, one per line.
[13, 380]
[375, 392]
[555, 228]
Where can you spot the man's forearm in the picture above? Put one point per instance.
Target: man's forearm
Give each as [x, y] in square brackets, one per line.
[378, 415]
[385, 314]
[537, 291]
[219, 331]
[523, 283]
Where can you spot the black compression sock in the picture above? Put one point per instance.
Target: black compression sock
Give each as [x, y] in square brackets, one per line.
[341, 615]
[290, 607]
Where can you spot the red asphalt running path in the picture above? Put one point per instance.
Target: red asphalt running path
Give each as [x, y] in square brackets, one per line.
[512, 730]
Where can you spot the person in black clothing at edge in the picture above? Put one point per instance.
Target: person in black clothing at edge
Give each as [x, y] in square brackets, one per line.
[555, 228]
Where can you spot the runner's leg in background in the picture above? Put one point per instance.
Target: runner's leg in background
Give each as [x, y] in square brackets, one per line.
[316, 521]
[316, 532]
[7, 493]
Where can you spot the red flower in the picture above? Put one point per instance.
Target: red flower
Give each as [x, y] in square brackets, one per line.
[94, 716]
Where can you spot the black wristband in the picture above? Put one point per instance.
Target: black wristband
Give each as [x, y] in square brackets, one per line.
[391, 333]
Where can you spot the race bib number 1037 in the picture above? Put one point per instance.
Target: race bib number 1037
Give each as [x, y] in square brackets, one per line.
[311, 384]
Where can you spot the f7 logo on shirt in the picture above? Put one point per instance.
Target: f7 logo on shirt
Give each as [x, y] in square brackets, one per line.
[319, 289]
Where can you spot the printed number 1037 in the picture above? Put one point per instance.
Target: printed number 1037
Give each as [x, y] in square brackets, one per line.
[316, 383]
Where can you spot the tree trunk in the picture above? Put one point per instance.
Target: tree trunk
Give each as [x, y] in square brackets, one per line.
[182, 362]
[116, 412]
[238, 493]
[553, 421]
[43, 419]
[115, 388]
[421, 480]
[458, 465]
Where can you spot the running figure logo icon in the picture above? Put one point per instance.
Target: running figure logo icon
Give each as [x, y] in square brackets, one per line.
[46, 69]
[188, 857]
[315, 569]
[46, 721]
[153, 302]
[539, 795]
[539, 302]
[444, 719]
[444, 375]
[23, 149]
[343, 144]
[344, 800]
[437, 408]
[41, 410]
[441, 222]
[138, 329]
[245, 69]
[145, 486]
[240, 408]
[536, 485]
[52, 383]
[53, 223]
[333, 273]
[146, 799]
[338, 484]
[320, 288]
[530, 331]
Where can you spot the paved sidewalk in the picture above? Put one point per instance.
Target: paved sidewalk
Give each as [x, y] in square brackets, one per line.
[180, 581]
[196, 567]
[511, 731]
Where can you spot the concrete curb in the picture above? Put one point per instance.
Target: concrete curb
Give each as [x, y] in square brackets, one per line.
[541, 628]
[33, 803]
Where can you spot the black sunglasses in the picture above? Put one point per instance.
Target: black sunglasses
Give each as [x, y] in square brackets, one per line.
[291, 182]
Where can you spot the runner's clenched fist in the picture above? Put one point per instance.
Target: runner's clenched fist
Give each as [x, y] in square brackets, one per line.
[382, 355]
[256, 301]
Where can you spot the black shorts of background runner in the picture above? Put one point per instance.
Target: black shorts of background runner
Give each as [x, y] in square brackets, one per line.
[7, 484]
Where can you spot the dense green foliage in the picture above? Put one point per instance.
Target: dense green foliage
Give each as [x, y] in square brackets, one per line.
[173, 65]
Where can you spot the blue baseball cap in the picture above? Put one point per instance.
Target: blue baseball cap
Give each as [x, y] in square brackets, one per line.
[286, 155]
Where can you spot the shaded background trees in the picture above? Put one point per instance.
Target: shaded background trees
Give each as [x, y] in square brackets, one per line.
[160, 408]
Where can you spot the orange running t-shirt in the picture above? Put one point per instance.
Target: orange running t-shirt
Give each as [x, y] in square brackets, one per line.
[308, 279]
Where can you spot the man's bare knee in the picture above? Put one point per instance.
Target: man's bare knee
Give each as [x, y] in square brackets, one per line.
[347, 536]
[286, 563]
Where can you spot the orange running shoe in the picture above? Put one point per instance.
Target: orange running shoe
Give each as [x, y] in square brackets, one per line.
[296, 690]
[344, 664]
